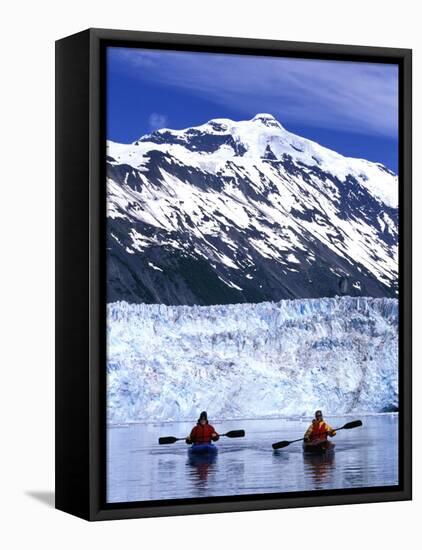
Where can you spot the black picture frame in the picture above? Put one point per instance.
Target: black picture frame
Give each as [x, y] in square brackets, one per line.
[80, 273]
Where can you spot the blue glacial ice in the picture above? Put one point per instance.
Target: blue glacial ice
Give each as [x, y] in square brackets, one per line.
[166, 363]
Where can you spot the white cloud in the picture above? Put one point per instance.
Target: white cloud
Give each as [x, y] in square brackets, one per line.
[157, 121]
[351, 96]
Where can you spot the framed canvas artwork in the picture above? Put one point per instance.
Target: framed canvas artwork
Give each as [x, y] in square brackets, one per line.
[233, 274]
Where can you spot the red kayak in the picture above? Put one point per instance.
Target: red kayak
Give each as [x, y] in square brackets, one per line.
[318, 446]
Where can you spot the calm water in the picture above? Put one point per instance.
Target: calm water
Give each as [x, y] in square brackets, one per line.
[140, 469]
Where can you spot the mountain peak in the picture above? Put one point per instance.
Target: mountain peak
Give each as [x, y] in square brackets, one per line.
[264, 116]
[267, 120]
[210, 146]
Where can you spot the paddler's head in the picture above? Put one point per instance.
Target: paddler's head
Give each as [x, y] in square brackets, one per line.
[318, 416]
[203, 418]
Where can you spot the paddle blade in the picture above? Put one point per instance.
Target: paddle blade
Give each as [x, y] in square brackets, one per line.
[354, 424]
[167, 440]
[235, 433]
[280, 444]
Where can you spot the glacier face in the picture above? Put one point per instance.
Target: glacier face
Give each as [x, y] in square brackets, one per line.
[245, 211]
[251, 360]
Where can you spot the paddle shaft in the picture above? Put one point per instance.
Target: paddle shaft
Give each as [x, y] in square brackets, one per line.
[170, 440]
[323, 433]
[183, 438]
[283, 444]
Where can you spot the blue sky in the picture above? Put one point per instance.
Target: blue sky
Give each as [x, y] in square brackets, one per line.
[347, 106]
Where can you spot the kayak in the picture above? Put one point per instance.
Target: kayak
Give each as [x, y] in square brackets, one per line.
[203, 449]
[318, 447]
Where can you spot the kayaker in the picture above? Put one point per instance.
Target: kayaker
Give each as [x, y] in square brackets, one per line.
[319, 429]
[203, 433]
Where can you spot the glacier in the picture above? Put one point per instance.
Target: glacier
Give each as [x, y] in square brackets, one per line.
[251, 360]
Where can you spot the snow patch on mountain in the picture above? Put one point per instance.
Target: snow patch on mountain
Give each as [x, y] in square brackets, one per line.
[251, 360]
[227, 198]
[255, 138]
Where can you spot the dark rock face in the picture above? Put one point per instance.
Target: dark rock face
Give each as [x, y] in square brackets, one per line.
[174, 236]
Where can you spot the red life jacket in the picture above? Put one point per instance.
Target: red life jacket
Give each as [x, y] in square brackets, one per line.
[319, 430]
[202, 434]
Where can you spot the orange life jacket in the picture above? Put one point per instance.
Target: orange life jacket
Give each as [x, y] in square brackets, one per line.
[319, 430]
[202, 434]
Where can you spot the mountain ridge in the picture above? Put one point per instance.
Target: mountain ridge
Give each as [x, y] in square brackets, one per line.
[245, 211]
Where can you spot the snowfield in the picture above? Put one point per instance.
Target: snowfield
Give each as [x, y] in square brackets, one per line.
[252, 360]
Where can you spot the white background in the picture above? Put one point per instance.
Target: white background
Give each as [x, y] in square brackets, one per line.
[28, 31]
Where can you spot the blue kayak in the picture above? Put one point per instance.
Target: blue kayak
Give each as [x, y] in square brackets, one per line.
[203, 449]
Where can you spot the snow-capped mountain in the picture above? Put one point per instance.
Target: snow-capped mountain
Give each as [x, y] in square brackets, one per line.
[252, 360]
[246, 211]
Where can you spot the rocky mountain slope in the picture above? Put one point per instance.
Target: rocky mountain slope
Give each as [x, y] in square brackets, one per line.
[232, 212]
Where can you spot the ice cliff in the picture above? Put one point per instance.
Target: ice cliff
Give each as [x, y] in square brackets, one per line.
[252, 360]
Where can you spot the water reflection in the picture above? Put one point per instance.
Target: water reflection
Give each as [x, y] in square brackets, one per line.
[198, 471]
[319, 467]
[201, 466]
[140, 469]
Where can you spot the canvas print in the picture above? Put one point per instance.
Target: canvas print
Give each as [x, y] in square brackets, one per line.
[252, 275]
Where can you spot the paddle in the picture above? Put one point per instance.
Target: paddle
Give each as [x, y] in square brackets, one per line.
[348, 426]
[168, 440]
